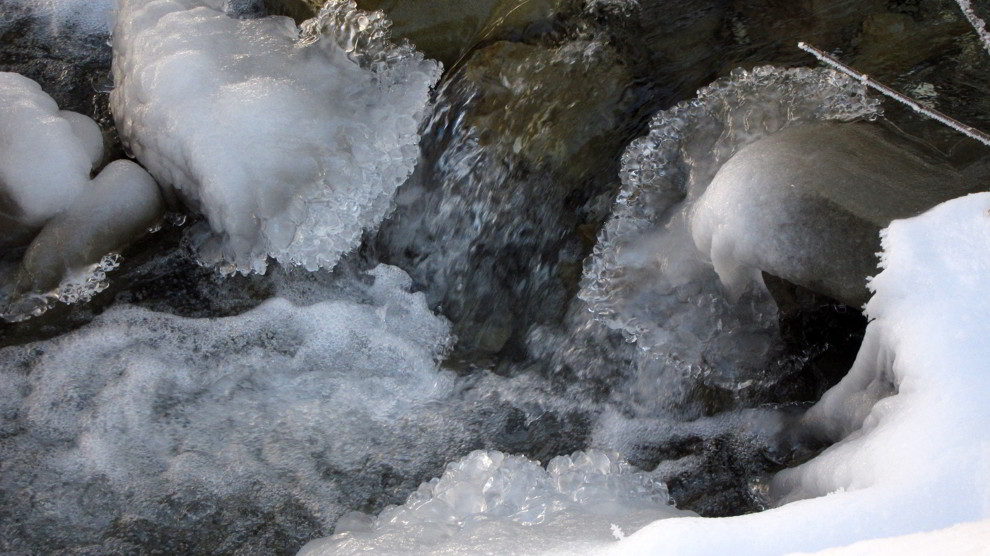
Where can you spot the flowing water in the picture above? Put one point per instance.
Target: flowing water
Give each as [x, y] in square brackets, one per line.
[536, 288]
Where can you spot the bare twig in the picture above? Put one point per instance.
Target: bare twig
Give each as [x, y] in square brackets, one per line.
[955, 124]
[976, 22]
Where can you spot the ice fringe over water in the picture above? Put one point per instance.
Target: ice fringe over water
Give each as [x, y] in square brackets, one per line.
[911, 462]
[222, 434]
[71, 225]
[290, 142]
[650, 275]
[503, 504]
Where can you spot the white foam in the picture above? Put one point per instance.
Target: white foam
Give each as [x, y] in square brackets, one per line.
[291, 144]
[150, 422]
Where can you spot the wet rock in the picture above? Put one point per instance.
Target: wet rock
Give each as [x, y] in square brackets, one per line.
[524, 138]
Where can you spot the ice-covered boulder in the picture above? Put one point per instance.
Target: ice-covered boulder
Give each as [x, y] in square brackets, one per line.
[807, 204]
[647, 278]
[71, 225]
[291, 143]
[46, 157]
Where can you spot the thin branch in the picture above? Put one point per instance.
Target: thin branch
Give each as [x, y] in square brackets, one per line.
[976, 22]
[955, 124]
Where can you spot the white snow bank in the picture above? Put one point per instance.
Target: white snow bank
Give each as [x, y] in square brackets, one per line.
[911, 462]
[291, 144]
[500, 504]
[966, 539]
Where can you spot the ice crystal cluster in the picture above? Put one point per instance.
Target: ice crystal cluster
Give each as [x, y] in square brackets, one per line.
[291, 143]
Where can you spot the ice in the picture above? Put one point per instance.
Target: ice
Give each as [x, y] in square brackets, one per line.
[646, 277]
[503, 504]
[146, 429]
[912, 455]
[807, 204]
[36, 184]
[70, 257]
[291, 143]
[71, 225]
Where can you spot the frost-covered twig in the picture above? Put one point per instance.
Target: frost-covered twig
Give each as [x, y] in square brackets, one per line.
[955, 124]
[976, 22]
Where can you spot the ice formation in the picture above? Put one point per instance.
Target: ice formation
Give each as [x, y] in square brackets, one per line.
[290, 143]
[68, 222]
[204, 435]
[822, 193]
[909, 419]
[502, 504]
[647, 278]
[46, 156]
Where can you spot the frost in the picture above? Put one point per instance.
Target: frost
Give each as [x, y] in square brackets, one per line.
[290, 143]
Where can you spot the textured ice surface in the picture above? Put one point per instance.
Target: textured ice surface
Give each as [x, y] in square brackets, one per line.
[910, 462]
[290, 143]
[146, 429]
[503, 504]
[647, 278]
[46, 156]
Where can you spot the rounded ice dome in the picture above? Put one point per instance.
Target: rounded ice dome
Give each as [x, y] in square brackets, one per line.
[46, 156]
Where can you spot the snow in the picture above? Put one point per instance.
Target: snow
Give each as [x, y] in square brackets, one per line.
[290, 143]
[913, 451]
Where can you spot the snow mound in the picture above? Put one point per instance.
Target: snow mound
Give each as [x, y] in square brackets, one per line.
[202, 435]
[291, 143]
[506, 504]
